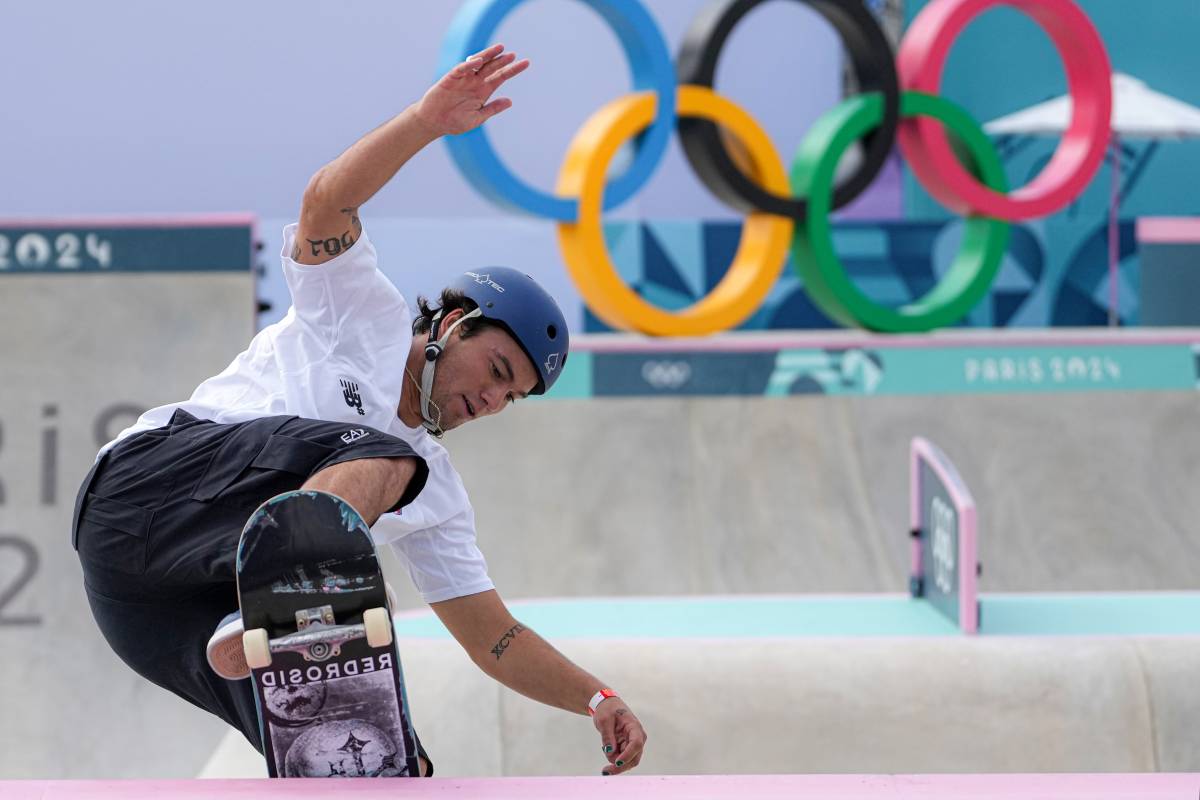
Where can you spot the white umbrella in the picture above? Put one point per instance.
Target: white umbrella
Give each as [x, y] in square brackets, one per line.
[1139, 112]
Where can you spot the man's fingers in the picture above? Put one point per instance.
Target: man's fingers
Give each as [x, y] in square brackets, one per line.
[495, 107]
[608, 737]
[495, 64]
[623, 730]
[621, 765]
[489, 52]
[486, 54]
[625, 766]
[475, 63]
[511, 71]
[630, 750]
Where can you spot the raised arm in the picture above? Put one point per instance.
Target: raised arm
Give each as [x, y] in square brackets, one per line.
[525, 662]
[457, 103]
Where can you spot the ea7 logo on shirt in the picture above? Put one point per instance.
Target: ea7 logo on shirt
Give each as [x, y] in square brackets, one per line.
[351, 395]
[486, 280]
[350, 437]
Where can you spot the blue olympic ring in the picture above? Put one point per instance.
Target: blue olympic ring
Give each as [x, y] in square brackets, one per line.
[650, 62]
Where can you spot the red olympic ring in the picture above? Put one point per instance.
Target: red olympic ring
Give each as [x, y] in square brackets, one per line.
[922, 59]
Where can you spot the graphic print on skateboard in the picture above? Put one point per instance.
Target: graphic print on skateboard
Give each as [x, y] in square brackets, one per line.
[327, 677]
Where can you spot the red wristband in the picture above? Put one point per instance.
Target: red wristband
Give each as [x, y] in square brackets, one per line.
[598, 698]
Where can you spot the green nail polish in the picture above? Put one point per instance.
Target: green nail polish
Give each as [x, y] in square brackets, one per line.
[620, 763]
[608, 748]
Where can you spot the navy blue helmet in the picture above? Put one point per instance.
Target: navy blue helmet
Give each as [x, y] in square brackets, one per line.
[515, 301]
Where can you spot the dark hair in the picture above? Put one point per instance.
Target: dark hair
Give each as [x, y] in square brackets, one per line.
[452, 300]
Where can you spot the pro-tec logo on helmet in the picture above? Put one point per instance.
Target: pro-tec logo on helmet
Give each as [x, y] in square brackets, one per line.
[486, 280]
[552, 362]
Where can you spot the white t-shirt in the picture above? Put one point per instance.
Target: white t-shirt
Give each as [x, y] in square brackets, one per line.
[349, 323]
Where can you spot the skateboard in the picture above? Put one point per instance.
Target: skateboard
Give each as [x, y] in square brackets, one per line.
[318, 639]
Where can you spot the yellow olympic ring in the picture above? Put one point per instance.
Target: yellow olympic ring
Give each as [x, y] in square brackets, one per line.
[761, 254]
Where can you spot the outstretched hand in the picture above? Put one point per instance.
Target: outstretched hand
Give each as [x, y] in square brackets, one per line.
[461, 100]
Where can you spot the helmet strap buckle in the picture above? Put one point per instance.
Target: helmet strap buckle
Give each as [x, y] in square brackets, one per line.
[433, 351]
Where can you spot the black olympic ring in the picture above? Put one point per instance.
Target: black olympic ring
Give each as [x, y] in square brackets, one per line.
[874, 66]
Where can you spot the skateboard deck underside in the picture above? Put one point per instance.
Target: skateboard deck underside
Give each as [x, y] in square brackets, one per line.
[330, 715]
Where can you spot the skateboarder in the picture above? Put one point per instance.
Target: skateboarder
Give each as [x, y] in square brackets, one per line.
[347, 394]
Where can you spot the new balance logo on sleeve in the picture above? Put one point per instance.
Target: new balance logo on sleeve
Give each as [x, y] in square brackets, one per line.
[353, 398]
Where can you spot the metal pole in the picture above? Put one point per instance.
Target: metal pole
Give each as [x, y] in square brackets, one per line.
[1114, 233]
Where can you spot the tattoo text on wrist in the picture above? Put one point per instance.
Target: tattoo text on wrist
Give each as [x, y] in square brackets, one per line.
[507, 638]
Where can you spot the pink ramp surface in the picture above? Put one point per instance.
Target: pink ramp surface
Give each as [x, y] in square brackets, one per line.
[1149, 786]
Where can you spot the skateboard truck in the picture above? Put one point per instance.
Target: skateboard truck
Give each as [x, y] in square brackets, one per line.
[318, 637]
[314, 616]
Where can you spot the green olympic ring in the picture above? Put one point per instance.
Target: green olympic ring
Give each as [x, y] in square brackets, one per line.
[826, 279]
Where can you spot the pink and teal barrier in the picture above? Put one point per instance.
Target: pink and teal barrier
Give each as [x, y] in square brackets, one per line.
[866, 365]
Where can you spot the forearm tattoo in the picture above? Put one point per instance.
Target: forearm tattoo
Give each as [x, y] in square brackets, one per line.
[336, 244]
[333, 245]
[506, 639]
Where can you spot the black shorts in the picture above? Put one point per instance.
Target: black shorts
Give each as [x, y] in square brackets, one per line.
[157, 524]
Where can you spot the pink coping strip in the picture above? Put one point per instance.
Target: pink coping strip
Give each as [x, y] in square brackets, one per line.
[968, 565]
[914, 507]
[1169, 230]
[741, 342]
[139, 221]
[1149, 786]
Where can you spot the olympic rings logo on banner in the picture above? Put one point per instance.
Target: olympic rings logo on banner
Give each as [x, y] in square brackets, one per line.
[789, 210]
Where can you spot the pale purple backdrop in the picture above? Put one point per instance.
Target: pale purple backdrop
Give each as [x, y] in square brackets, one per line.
[139, 106]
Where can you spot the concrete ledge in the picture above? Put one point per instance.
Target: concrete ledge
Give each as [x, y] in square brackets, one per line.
[830, 705]
[825, 705]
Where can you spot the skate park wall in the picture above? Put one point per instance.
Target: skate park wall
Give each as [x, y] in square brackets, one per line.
[84, 351]
[717, 495]
[834, 705]
[819, 705]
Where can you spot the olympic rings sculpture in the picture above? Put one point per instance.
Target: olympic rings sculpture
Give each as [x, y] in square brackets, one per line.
[789, 210]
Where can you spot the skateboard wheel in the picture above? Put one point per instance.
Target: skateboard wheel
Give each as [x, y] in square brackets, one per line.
[257, 645]
[378, 624]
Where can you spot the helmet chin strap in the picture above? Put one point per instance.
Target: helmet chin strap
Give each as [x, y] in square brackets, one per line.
[431, 415]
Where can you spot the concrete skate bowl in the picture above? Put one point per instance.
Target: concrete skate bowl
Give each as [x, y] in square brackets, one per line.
[851, 684]
[730, 495]
[825, 684]
[688, 498]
